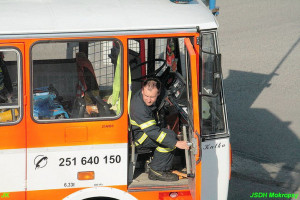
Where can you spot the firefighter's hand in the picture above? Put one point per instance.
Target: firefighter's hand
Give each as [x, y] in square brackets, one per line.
[182, 145]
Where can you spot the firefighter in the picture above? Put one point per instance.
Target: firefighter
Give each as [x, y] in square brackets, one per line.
[6, 88]
[147, 133]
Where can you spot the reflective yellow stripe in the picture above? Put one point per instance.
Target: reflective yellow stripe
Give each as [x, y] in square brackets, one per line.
[164, 150]
[133, 123]
[144, 125]
[142, 139]
[161, 137]
[147, 124]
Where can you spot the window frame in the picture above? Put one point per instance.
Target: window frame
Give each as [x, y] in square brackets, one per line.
[88, 119]
[225, 132]
[20, 105]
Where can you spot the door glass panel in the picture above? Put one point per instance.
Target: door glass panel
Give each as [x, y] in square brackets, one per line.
[10, 100]
[189, 88]
[212, 104]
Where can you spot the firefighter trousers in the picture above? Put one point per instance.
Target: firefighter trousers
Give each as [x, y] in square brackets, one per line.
[162, 157]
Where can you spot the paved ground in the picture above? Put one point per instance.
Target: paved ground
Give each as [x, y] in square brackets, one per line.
[252, 175]
[260, 46]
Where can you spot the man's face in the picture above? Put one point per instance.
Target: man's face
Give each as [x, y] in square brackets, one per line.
[150, 96]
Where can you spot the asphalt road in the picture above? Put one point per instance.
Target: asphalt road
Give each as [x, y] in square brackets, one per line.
[260, 46]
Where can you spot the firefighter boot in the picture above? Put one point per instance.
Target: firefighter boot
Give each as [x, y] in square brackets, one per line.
[162, 176]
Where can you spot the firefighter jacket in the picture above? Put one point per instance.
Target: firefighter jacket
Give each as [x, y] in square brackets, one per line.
[144, 124]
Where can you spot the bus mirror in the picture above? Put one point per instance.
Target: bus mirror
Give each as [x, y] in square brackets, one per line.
[217, 75]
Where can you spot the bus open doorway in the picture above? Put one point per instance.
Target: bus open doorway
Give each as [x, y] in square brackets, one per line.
[172, 61]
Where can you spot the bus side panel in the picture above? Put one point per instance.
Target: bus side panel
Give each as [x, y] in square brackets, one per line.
[59, 167]
[61, 193]
[12, 170]
[12, 134]
[215, 169]
[59, 151]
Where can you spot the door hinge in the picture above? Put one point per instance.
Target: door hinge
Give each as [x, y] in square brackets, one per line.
[198, 40]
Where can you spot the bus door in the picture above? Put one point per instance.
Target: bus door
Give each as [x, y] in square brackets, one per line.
[191, 130]
[214, 128]
[75, 137]
[12, 123]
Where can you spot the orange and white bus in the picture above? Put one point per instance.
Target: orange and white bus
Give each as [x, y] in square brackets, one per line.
[62, 137]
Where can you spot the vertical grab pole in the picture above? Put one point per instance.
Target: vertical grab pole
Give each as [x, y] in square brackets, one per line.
[187, 155]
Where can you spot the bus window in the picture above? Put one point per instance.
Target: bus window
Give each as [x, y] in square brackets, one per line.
[74, 80]
[10, 100]
[212, 104]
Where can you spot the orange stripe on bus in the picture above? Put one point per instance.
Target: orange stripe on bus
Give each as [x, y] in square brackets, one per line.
[13, 195]
[13, 137]
[62, 134]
